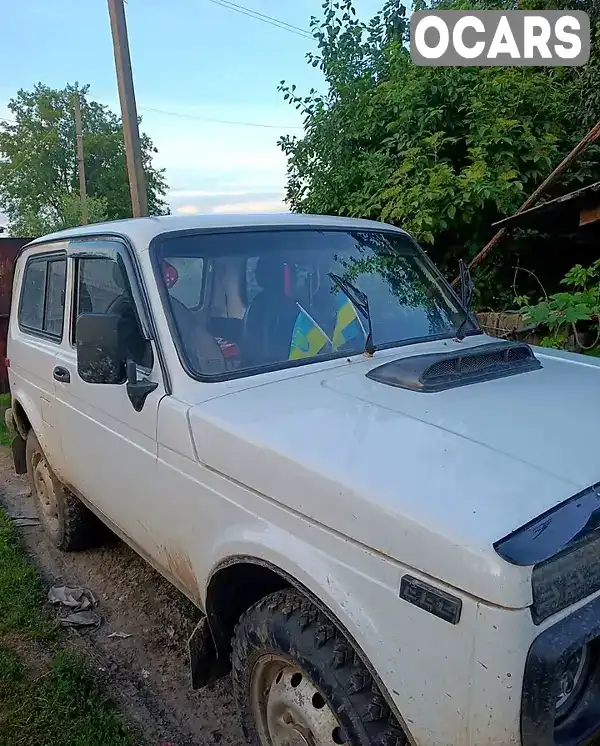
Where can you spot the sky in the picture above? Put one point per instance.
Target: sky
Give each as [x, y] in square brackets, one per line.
[196, 59]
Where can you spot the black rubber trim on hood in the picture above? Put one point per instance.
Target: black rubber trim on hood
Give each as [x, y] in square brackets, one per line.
[566, 526]
[563, 546]
[435, 372]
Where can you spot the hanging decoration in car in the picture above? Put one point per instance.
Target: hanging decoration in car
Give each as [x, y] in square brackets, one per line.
[170, 274]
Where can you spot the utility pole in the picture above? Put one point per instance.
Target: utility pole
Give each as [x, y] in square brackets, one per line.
[131, 134]
[80, 159]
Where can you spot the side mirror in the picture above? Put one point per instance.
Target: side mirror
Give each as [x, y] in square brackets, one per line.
[100, 350]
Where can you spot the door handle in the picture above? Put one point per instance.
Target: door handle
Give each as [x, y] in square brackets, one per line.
[61, 374]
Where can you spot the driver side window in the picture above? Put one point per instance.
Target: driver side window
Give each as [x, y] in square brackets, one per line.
[102, 286]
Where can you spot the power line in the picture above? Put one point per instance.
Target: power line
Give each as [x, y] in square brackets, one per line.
[221, 121]
[263, 17]
[181, 115]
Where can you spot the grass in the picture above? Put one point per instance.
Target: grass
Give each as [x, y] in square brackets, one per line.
[5, 436]
[48, 695]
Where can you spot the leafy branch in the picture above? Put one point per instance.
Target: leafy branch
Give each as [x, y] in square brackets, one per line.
[564, 313]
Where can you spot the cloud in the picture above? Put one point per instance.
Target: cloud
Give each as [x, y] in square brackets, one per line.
[213, 167]
[206, 200]
[195, 193]
[187, 209]
[277, 205]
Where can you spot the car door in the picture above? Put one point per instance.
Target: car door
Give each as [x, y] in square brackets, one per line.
[36, 333]
[110, 448]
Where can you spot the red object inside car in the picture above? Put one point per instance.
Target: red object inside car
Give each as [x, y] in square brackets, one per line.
[229, 349]
[170, 274]
[287, 280]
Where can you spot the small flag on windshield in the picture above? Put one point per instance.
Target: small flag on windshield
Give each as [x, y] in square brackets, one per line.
[308, 339]
[347, 325]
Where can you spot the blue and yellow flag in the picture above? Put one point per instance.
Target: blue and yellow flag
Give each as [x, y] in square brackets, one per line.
[347, 324]
[308, 339]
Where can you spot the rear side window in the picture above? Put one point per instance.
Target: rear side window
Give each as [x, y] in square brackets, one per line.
[184, 277]
[42, 305]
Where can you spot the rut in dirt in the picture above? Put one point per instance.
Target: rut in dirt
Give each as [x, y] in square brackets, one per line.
[147, 674]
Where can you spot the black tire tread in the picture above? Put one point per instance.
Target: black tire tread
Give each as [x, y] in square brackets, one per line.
[303, 618]
[78, 526]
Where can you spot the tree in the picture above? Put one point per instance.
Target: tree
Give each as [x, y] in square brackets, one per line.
[66, 213]
[39, 188]
[442, 152]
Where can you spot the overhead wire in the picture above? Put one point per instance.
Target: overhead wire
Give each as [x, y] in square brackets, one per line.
[264, 18]
[251, 13]
[219, 121]
[271, 20]
[198, 118]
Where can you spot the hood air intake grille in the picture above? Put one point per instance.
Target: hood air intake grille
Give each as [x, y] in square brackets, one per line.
[446, 370]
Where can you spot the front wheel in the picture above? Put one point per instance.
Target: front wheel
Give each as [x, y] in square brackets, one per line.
[299, 682]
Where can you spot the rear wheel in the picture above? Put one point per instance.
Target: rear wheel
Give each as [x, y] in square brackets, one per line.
[299, 682]
[66, 521]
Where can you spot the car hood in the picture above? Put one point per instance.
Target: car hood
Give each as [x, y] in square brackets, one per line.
[431, 480]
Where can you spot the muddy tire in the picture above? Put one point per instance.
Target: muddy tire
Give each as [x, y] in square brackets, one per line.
[297, 680]
[66, 521]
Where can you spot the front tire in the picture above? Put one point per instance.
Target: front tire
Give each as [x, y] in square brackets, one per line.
[298, 681]
[64, 518]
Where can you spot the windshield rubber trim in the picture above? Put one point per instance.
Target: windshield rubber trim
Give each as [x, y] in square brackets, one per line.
[154, 253]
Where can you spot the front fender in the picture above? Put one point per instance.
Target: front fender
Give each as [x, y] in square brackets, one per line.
[416, 658]
[326, 579]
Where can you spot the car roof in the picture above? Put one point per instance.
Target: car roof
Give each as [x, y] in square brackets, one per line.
[140, 231]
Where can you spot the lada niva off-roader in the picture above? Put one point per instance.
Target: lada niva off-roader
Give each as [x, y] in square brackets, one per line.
[389, 519]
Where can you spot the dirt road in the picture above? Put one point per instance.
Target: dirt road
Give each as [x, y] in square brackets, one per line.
[146, 673]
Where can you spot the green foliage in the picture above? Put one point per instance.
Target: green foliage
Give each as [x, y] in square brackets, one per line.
[47, 696]
[49, 219]
[62, 707]
[5, 435]
[563, 313]
[39, 186]
[21, 593]
[443, 152]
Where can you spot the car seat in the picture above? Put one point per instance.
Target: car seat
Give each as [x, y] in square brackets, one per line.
[270, 318]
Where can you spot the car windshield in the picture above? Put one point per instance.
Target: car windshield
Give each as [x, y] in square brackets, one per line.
[241, 302]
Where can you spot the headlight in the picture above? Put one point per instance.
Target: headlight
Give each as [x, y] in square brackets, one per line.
[572, 680]
[563, 546]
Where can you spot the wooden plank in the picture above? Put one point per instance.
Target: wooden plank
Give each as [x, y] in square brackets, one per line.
[589, 215]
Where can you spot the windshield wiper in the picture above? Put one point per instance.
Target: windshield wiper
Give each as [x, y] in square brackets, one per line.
[467, 290]
[361, 302]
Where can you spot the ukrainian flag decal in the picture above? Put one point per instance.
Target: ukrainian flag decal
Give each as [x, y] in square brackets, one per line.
[308, 339]
[347, 325]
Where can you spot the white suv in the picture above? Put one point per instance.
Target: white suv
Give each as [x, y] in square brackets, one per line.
[389, 519]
